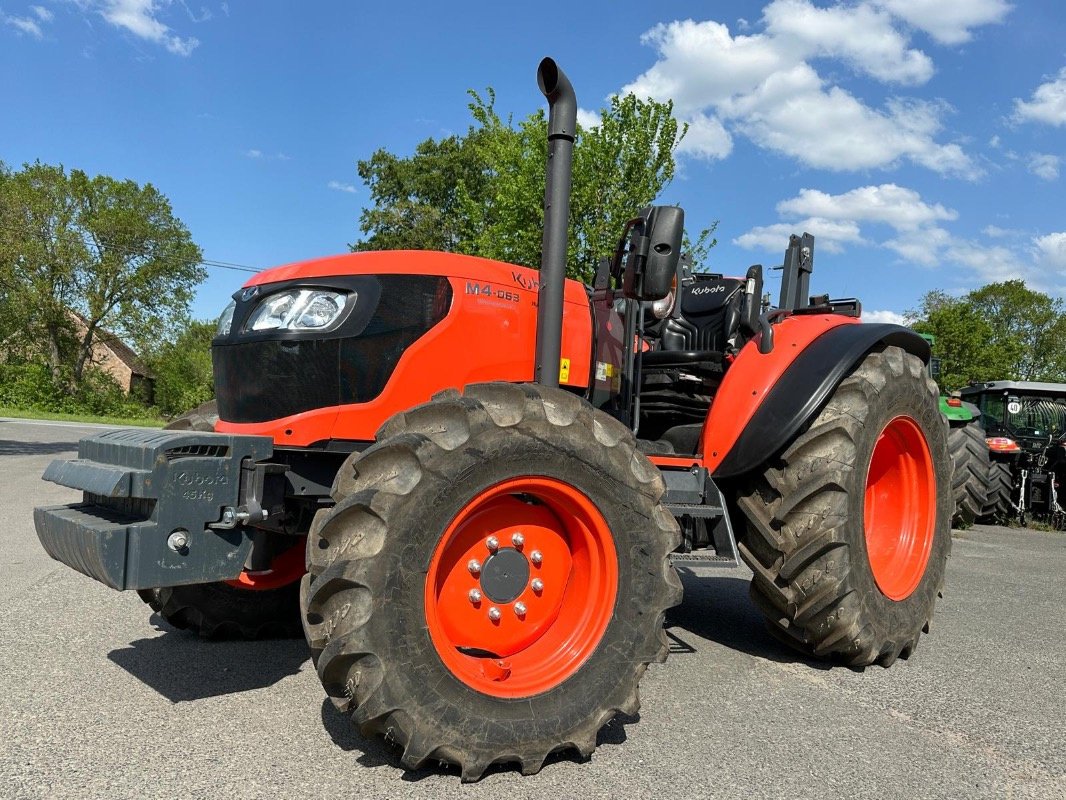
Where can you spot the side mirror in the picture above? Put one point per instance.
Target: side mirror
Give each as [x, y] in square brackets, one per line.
[654, 251]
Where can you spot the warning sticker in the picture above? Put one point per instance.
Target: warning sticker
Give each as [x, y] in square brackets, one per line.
[564, 370]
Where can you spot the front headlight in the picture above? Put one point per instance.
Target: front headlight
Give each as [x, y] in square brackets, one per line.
[225, 321]
[298, 310]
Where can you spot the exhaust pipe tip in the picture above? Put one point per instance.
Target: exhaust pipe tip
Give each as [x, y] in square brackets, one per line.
[556, 88]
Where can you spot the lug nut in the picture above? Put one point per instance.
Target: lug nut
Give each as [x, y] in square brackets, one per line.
[494, 614]
[520, 609]
[475, 596]
[492, 543]
[518, 539]
[536, 557]
[178, 540]
[537, 585]
[474, 566]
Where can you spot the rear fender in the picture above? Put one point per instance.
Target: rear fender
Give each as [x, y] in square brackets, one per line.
[766, 398]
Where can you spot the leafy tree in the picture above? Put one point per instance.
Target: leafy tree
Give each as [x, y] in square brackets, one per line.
[1002, 331]
[182, 370]
[1028, 327]
[79, 255]
[482, 193]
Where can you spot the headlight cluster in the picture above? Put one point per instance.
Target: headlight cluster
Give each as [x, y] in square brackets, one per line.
[294, 310]
[225, 322]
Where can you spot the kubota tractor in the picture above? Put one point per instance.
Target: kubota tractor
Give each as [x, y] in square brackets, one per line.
[486, 470]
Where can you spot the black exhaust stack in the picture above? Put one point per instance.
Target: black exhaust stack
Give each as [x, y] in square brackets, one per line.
[562, 129]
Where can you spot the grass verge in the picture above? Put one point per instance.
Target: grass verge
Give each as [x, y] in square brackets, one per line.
[141, 422]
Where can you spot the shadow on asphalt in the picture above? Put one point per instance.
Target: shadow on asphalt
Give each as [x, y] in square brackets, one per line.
[11, 448]
[379, 752]
[182, 667]
[717, 607]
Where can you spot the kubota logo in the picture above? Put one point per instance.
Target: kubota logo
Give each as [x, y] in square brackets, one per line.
[708, 289]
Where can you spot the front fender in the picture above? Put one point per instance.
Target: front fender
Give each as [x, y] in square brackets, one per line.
[766, 399]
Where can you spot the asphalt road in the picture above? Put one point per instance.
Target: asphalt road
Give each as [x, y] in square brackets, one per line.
[97, 699]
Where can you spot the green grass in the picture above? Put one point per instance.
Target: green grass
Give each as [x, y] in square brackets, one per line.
[142, 422]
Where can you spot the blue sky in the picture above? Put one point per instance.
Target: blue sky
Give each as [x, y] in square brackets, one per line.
[922, 141]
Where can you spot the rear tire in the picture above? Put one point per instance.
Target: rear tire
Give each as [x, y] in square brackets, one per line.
[819, 509]
[400, 642]
[221, 610]
[970, 474]
[998, 508]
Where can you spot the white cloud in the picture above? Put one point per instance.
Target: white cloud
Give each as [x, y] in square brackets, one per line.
[995, 263]
[1051, 250]
[43, 14]
[141, 18]
[26, 25]
[948, 21]
[763, 86]
[338, 186]
[830, 235]
[883, 316]
[588, 119]
[1048, 103]
[923, 246]
[918, 236]
[860, 35]
[893, 205]
[1044, 166]
[706, 138]
[260, 155]
[835, 221]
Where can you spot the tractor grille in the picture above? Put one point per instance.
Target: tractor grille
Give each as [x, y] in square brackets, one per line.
[268, 378]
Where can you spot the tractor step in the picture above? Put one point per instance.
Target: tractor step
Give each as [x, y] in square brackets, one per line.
[149, 500]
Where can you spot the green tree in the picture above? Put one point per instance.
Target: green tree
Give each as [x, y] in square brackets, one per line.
[182, 369]
[1002, 331]
[79, 255]
[482, 193]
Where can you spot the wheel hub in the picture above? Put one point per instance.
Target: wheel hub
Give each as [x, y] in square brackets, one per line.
[518, 593]
[505, 575]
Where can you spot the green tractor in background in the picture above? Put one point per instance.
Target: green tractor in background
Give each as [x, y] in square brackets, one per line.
[971, 477]
[1026, 428]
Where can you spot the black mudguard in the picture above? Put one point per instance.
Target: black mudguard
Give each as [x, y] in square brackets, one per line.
[806, 386]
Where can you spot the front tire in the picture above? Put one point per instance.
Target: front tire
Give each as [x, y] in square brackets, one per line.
[401, 621]
[849, 529]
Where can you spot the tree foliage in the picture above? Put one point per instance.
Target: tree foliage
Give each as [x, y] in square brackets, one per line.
[1002, 331]
[80, 255]
[182, 370]
[482, 193]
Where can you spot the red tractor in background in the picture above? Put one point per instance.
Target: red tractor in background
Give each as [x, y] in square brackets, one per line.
[486, 470]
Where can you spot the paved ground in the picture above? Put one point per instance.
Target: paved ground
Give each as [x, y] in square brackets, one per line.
[97, 700]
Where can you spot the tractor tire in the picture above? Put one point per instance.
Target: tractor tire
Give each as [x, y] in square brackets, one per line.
[256, 607]
[428, 620]
[970, 478]
[201, 418]
[848, 530]
[998, 508]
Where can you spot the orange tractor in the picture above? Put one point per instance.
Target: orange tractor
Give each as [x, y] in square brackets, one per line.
[465, 481]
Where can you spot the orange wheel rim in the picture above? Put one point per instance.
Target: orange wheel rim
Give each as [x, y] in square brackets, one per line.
[521, 587]
[900, 508]
[286, 567]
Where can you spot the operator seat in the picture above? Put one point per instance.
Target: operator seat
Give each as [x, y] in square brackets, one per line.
[680, 376]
